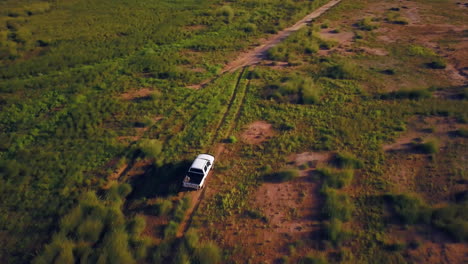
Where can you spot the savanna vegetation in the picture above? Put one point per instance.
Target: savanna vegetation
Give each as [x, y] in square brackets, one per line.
[98, 127]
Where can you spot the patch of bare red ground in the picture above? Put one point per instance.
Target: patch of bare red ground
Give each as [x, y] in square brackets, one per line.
[257, 132]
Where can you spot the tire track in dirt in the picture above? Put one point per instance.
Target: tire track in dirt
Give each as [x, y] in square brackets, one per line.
[217, 149]
[258, 54]
[243, 61]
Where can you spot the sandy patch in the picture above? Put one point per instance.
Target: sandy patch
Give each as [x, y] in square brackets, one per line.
[257, 132]
[137, 94]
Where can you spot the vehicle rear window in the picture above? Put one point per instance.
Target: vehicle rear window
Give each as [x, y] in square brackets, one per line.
[196, 170]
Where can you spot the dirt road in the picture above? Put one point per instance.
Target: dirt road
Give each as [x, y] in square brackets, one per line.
[256, 55]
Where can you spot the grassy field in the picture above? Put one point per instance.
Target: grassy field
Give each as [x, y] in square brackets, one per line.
[98, 127]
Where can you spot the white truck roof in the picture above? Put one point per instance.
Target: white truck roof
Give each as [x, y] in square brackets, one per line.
[201, 160]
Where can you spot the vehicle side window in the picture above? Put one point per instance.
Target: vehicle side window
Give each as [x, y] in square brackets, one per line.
[206, 168]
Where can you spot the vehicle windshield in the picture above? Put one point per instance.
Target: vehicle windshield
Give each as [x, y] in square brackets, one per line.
[195, 177]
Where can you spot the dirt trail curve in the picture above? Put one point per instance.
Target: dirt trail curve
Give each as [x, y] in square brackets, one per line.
[256, 55]
[244, 60]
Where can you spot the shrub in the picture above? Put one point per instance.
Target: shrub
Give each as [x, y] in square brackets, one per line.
[282, 176]
[137, 225]
[163, 207]
[115, 244]
[343, 70]
[336, 179]
[429, 147]
[347, 160]
[416, 50]
[90, 230]
[232, 139]
[208, 253]
[410, 209]
[227, 12]
[124, 190]
[453, 219]
[310, 92]
[191, 239]
[249, 27]
[151, 148]
[179, 212]
[170, 231]
[337, 206]
[437, 64]
[367, 24]
[334, 232]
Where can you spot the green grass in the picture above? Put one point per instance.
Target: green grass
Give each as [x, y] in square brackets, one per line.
[282, 176]
[336, 179]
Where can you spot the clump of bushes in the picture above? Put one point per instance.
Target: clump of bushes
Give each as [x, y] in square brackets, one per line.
[163, 207]
[282, 176]
[367, 24]
[410, 209]
[96, 230]
[337, 205]
[452, 219]
[335, 233]
[227, 12]
[347, 160]
[342, 70]
[150, 148]
[416, 50]
[249, 27]
[336, 178]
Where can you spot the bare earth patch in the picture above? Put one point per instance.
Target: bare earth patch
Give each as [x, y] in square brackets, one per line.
[136, 94]
[257, 132]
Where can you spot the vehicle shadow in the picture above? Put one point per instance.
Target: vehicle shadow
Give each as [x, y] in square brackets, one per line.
[159, 181]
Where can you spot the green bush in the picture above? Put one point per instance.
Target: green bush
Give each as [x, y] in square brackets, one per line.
[429, 147]
[310, 92]
[342, 70]
[232, 139]
[163, 207]
[249, 27]
[454, 220]
[337, 205]
[191, 239]
[367, 24]
[137, 225]
[227, 12]
[90, 230]
[181, 208]
[335, 233]
[170, 231]
[410, 209]
[282, 176]
[208, 253]
[336, 179]
[347, 160]
[151, 148]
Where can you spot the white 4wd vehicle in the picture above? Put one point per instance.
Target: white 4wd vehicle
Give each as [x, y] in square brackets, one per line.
[197, 173]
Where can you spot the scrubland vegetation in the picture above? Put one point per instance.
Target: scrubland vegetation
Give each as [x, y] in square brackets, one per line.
[74, 123]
